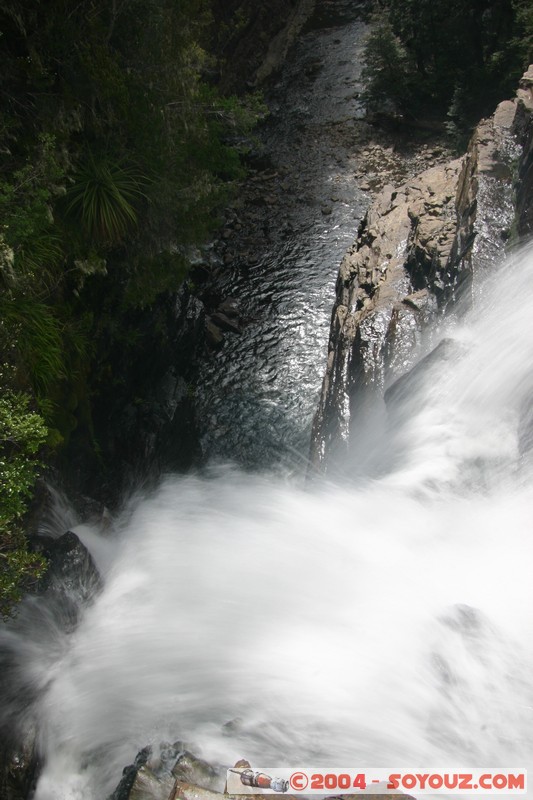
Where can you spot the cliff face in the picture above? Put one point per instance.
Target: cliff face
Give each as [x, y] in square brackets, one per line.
[418, 250]
[261, 34]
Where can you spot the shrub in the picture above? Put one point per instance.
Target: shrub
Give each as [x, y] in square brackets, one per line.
[22, 434]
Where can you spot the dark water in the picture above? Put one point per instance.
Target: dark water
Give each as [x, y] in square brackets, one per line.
[259, 392]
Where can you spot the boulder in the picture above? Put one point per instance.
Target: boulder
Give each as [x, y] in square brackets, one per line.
[156, 775]
[229, 307]
[225, 323]
[71, 580]
[71, 569]
[213, 334]
[129, 776]
[148, 786]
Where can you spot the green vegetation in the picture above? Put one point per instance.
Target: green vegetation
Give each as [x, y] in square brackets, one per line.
[446, 61]
[22, 433]
[102, 199]
[116, 154]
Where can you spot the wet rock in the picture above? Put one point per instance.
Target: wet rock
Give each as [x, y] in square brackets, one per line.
[129, 776]
[487, 194]
[148, 786]
[404, 388]
[416, 253]
[401, 248]
[141, 430]
[313, 67]
[420, 301]
[156, 775]
[19, 766]
[258, 159]
[93, 511]
[213, 334]
[232, 727]
[224, 322]
[229, 307]
[524, 199]
[187, 791]
[71, 570]
[190, 769]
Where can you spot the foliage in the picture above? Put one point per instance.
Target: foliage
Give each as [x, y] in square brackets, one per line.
[28, 231]
[117, 151]
[523, 42]
[447, 58]
[32, 333]
[151, 276]
[103, 198]
[22, 433]
[388, 73]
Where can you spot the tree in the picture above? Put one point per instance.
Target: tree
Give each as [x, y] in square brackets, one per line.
[388, 71]
[453, 57]
[117, 153]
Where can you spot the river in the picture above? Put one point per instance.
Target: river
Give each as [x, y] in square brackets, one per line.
[258, 394]
[383, 622]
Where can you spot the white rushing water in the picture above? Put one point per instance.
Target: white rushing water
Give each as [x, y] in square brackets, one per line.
[383, 624]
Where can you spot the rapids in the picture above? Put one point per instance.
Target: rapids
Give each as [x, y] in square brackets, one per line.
[380, 623]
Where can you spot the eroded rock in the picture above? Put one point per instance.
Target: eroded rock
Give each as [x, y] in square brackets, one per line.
[154, 775]
[71, 580]
[418, 250]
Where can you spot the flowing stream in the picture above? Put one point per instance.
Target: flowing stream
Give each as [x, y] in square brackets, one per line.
[382, 622]
[385, 623]
[258, 394]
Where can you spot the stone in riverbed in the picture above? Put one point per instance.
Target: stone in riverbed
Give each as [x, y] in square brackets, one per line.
[225, 323]
[148, 786]
[195, 770]
[71, 580]
[213, 334]
[172, 772]
[229, 307]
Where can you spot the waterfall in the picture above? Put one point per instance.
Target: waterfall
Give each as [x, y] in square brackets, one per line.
[383, 622]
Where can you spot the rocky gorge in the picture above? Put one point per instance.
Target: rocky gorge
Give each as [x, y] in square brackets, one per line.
[421, 250]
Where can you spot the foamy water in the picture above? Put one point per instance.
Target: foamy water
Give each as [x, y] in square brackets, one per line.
[385, 623]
